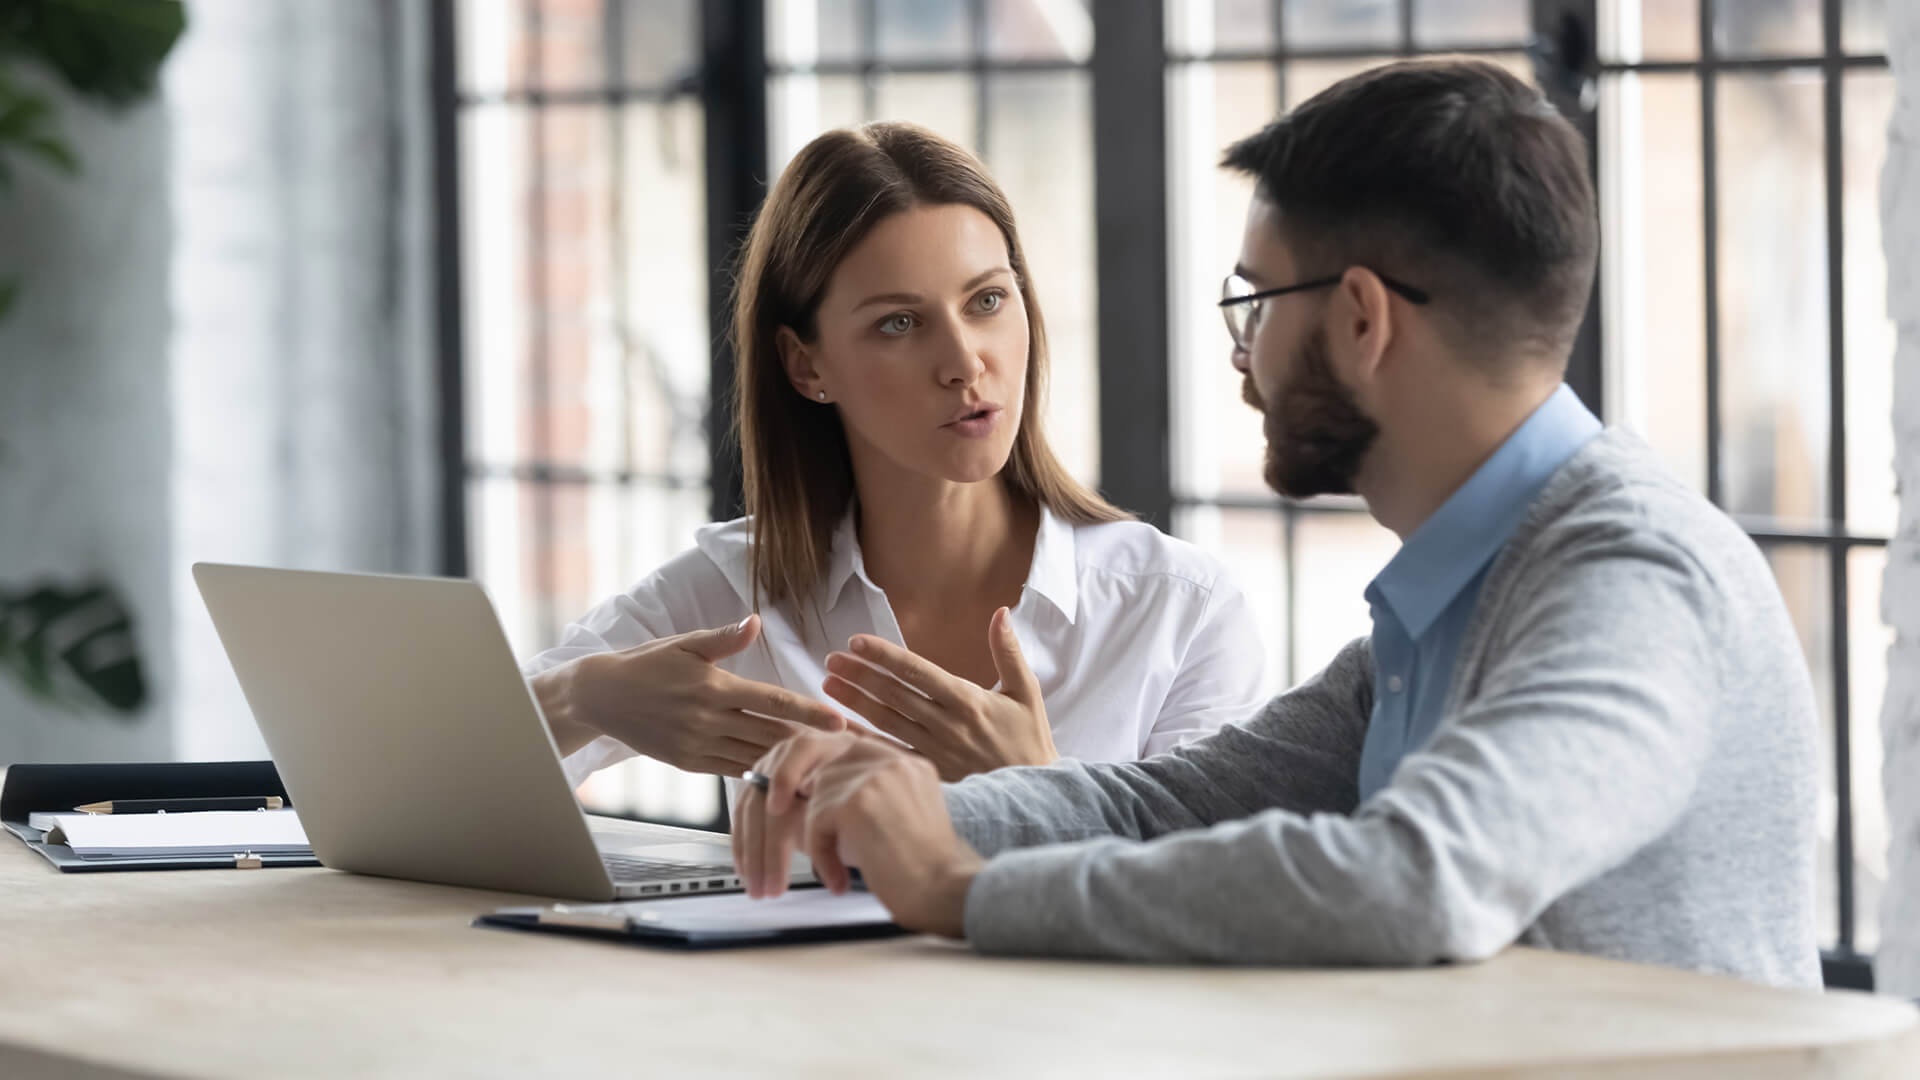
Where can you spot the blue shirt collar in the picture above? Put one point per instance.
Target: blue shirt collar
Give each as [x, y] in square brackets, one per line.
[1446, 552]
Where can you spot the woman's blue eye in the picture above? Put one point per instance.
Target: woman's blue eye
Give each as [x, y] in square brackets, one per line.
[991, 301]
[895, 325]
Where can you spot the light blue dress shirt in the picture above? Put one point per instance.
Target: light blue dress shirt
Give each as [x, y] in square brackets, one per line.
[1424, 598]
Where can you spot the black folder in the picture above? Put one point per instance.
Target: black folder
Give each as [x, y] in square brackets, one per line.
[34, 789]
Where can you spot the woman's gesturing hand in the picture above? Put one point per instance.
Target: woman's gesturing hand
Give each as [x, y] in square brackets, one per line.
[669, 699]
[959, 726]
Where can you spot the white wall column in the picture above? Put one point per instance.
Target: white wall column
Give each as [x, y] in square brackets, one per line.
[1897, 967]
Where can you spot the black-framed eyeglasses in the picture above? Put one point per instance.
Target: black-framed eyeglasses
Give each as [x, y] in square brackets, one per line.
[1240, 303]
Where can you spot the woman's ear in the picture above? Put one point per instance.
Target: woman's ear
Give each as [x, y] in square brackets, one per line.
[796, 358]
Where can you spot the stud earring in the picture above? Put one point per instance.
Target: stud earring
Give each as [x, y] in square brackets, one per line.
[823, 395]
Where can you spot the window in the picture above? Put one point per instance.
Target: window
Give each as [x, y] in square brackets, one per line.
[1745, 334]
[1008, 80]
[1231, 67]
[1738, 323]
[586, 330]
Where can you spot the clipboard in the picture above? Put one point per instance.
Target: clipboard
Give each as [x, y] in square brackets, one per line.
[715, 921]
[61, 787]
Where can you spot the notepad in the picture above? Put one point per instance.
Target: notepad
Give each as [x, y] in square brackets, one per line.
[724, 913]
[212, 832]
[716, 920]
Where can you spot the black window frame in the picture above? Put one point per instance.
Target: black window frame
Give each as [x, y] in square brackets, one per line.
[1129, 115]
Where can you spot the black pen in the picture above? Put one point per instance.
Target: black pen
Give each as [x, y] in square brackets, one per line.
[182, 806]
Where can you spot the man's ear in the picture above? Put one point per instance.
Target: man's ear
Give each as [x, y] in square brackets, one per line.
[796, 358]
[1360, 325]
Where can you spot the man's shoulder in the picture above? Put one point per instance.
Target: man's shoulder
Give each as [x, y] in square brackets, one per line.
[1616, 491]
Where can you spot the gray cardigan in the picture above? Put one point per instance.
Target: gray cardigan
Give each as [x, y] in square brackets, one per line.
[1626, 768]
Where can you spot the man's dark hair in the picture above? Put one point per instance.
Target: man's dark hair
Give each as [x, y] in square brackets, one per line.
[1452, 175]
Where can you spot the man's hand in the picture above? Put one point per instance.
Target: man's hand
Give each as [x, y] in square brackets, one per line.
[853, 802]
[962, 728]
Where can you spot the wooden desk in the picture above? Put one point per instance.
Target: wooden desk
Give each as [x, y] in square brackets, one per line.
[251, 973]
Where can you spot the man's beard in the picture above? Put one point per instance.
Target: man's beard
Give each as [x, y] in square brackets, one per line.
[1316, 435]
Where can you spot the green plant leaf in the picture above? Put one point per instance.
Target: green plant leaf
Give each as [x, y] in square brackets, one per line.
[27, 127]
[22, 114]
[110, 50]
[72, 646]
[51, 150]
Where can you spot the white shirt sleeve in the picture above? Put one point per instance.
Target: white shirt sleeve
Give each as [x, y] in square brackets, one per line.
[661, 605]
[1221, 677]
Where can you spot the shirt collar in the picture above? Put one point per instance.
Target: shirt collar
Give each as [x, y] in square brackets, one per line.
[843, 561]
[1446, 552]
[1054, 574]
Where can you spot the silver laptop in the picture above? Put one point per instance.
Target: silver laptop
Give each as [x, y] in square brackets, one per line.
[412, 747]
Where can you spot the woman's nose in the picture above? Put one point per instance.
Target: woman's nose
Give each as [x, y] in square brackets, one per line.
[961, 362]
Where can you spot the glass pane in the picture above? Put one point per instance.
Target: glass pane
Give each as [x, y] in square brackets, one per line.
[1217, 441]
[1207, 27]
[574, 44]
[800, 107]
[501, 517]
[602, 538]
[1336, 554]
[1253, 544]
[1653, 318]
[1805, 583]
[490, 45]
[647, 789]
[944, 103]
[1766, 27]
[497, 328]
[1867, 107]
[660, 41]
[624, 340]
[1040, 149]
[805, 32]
[658, 341]
[1863, 27]
[608, 536]
[1328, 23]
[1773, 295]
[1636, 30]
[924, 29]
[1868, 639]
[1304, 78]
[1039, 30]
[1471, 22]
[1243, 26]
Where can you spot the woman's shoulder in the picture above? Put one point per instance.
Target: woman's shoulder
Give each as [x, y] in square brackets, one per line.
[1138, 549]
[710, 575]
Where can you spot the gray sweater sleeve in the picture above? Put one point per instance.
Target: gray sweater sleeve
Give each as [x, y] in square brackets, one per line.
[1580, 746]
[1301, 753]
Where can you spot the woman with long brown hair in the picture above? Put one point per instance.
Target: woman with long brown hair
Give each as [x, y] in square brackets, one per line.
[913, 550]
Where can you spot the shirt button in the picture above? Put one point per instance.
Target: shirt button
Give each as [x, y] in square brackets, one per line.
[1395, 684]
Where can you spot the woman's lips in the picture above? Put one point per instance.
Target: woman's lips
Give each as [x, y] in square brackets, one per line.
[976, 425]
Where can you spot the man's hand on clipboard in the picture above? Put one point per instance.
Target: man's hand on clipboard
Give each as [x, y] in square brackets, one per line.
[852, 801]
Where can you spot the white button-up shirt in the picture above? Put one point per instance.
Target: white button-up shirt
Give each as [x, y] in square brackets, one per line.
[1139, 641]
